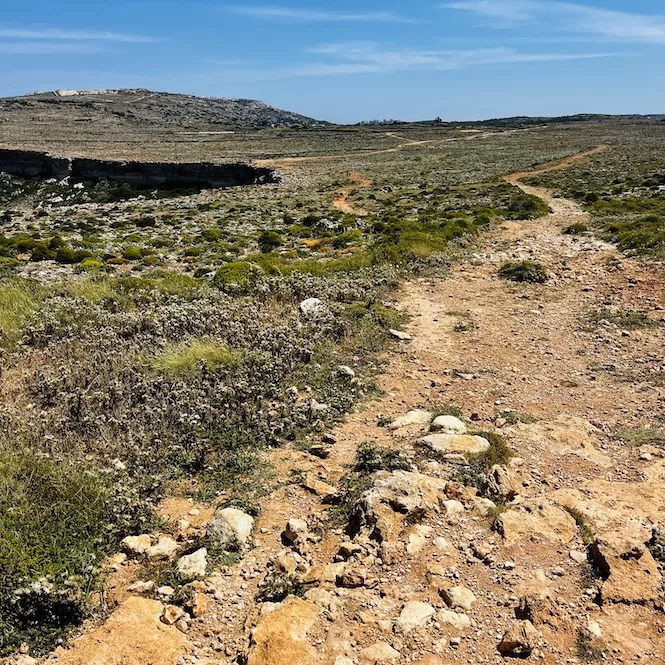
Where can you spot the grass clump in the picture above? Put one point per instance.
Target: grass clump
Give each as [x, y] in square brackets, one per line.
[276, 587]
[626, 319]
[371, 459]
[523, 271]
[576, 229]
[586, 532]
[642, 436]
[19, 300]
[475, 473]
[447, 410]
[527, 206]
[181, 359]
[58, 521]
[515, 417]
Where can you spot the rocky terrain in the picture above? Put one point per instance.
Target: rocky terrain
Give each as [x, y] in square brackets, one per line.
[498, 494]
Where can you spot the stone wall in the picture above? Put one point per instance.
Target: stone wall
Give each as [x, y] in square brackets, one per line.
[31, 164]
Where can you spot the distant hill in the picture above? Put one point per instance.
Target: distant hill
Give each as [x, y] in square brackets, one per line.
[146, 109]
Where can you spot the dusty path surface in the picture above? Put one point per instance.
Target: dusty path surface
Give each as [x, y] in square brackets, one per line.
[429, 577]
[341, 200]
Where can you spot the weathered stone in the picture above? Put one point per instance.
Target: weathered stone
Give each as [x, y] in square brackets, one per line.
[520, 639]
[231, 528]
[448, 425]
[456, 443]
[450, 618]
[141, 587]
[136, 545]
[171, 615]
[296, 530]
[313, 308]
[401, 335]
[499, 483]
[458, 596]
[197, 604]
[536, 519]
[414, 615]
[631, 572]
[280, 637]
[415, 417]
[133, 635]
[165, 548]
[352, 577]
[322, 489]
[381, 652]
[193, 565]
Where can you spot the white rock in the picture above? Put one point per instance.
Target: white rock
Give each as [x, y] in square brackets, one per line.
[418, 538]
[231, 528]
[577, 556]
[456, 443]
[136, 544]
[414, 615]
[594, 628]
[485, 506]
[453, 507]
[381, 652]
[405, 337]
[313, 308]
[415, 417]
[345, 370]
[343, 660]
[450, 618]
[441, 544]
[165, 548]
[193, 565]
[141, 587]
[459, 596]
[296, 530]
[448, 425]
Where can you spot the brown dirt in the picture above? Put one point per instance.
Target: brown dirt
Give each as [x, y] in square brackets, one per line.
[341, 200]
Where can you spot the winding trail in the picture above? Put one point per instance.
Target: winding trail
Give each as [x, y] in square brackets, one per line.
[487, 347]
[341, 200]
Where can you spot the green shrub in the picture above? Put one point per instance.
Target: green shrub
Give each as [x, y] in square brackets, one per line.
[576, 229]
[527, 206]
[276, 587]
[270, 240]
[523, 271]
[19, 300]
[370, 459]
[91, 264]
[132, 253]
[239, 274]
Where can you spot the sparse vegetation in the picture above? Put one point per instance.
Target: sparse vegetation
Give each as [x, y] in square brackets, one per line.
[523, 271]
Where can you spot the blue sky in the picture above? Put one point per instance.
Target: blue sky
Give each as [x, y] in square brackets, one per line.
[352, 59]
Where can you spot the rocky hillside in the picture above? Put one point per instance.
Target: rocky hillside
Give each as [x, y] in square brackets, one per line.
[146, 109]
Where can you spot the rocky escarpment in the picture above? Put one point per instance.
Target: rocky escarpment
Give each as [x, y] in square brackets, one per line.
[32, 164]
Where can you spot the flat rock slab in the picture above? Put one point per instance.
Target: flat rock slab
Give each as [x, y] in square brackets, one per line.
[536, 520]
[456, 443]
[280, 637]
[133, 635]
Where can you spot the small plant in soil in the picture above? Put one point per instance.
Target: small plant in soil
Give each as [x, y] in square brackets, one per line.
[526, 272]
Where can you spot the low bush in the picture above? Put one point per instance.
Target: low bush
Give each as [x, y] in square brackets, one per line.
[523, 271]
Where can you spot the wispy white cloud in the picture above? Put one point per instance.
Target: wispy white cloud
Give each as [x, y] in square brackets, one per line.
[71, 35]
[569, 17]
[347, 58]
[293, 14]
[47, 48]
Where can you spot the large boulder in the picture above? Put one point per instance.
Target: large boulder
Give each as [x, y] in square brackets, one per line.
[536, 519]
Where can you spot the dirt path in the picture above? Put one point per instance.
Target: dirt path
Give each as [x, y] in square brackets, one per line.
[490, 348]
[288, 163]
[341, 200]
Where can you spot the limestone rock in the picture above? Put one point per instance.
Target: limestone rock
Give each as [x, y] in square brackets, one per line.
[280, 637]
[171, 615]
[448, 425]
[520, 639]
[500, 484]
[313, 308]
[165, 548]
[133, 635]
[136, 545]
[456, 443]
[458, 596]
[381, 652]
[231, 528]
[193, 565]
[414, 615]
[632, 574]
[415, 417]
[450, 618]
[296, 530]
[401, 335]
[395, 497]
[536, 519]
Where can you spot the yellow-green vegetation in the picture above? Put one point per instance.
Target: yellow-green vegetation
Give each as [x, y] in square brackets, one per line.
[180, 359]
[19, 300]
[57, 520]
